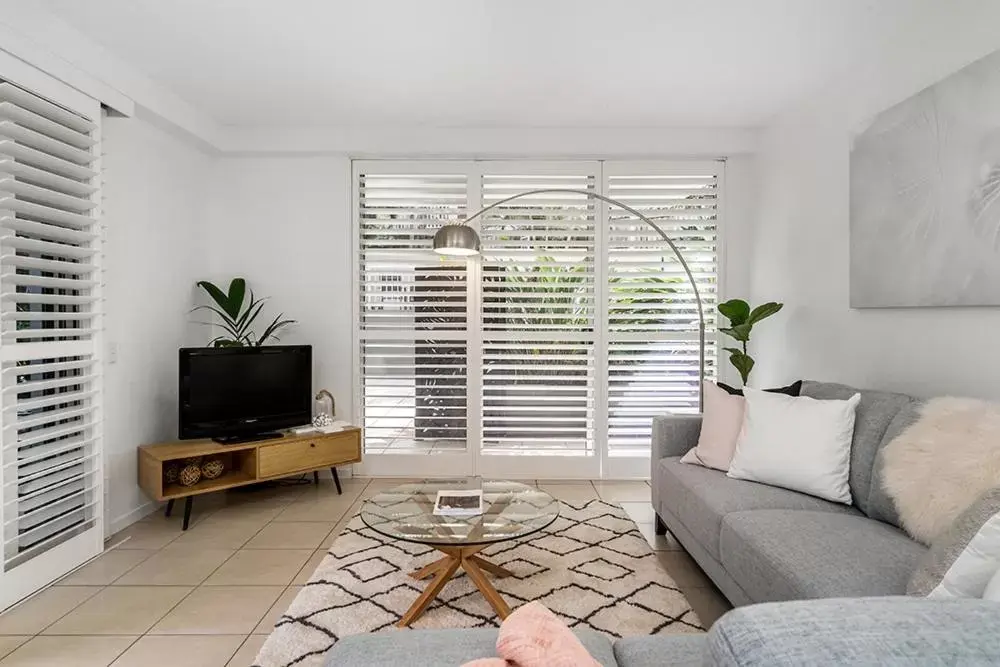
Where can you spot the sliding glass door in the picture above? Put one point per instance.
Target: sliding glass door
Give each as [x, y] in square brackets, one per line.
[548, 355]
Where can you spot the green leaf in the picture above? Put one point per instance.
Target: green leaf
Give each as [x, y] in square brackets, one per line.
[742, 362]
[237, 292]
[735, 310]
[272, 328]
[740, 332]
[250, 315]
[763, 311]
[223, 300]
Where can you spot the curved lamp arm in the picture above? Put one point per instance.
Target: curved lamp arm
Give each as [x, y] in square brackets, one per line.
[443, 237]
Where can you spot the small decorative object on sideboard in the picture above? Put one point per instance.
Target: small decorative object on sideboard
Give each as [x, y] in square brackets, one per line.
[741, 321]
[323, 408]
[190, 474]
[171, 472]
[212, 468]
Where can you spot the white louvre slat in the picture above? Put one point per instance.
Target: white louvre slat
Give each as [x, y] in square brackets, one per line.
[538, 267]
[50, 318]
[651, 302]
[45, 143]
[413, 388]
[21, 116]
[32, 102]
[40, 159]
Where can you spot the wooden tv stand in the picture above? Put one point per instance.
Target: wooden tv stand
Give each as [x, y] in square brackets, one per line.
[246, 463]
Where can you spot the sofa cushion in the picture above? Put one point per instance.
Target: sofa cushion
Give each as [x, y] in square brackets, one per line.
[661, 650]
[701, 497]
[438, 648]
[788, 555]
[882, 631]
[880, 504]
[871, 420]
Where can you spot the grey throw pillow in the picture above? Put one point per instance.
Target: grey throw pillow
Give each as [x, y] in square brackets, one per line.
[962, 560]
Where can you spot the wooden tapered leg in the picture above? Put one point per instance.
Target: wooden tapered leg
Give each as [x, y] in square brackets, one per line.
[431, 568]
[485, 587]
[170, 507]
[431, 592]
[336, 480]
[492, 568]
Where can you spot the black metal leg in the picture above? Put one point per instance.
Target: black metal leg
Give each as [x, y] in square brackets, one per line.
[660, 528]
[336, 480]
[188, 502]
[316, 477]
[170, 507]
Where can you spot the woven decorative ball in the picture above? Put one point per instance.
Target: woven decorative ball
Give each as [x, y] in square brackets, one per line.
[212, 468]
[322, 419]
[192, 461]
[190, 475]
[171, 473]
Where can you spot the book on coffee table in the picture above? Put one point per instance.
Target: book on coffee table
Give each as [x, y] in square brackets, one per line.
[459, 503]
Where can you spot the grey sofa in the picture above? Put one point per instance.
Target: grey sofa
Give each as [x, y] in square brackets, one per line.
[761, 543]
[879, 631]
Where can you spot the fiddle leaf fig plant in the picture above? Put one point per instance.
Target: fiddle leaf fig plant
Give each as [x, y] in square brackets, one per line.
[237, 320]
[741, 320]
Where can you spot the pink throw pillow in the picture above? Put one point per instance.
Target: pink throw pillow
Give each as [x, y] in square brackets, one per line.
[721, 422]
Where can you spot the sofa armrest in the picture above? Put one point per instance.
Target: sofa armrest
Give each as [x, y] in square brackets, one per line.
[893, 630]
[674, 435]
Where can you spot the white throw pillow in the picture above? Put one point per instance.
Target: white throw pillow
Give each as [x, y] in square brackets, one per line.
[798, 443]
[992, 592]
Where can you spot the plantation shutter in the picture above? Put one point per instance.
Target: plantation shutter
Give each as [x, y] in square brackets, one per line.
[50, 311]
[538, 314]
[412, 307]
[652, 316]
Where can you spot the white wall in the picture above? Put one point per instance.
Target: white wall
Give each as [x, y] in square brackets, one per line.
[284, 225]
[800, 250]
[154, 189]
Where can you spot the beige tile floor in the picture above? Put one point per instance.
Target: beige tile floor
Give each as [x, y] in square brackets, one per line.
[209, 597]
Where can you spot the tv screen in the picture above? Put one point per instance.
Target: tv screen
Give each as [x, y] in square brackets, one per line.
[244, 391]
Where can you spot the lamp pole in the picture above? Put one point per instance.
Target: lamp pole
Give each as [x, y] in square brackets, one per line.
[453, 240]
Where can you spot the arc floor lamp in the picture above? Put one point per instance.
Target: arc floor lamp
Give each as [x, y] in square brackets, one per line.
[460, 240]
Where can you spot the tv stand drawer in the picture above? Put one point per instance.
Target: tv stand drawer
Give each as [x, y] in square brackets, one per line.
[308, 454]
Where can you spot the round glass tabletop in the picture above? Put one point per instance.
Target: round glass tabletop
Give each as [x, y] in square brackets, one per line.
[510, 510]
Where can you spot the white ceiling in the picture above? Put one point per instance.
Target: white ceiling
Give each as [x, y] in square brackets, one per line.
[492, 63]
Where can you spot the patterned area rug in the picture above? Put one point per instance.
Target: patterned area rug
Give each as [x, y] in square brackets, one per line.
[591, 566]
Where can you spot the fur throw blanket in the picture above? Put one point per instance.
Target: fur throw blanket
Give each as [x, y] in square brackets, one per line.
[938, 466]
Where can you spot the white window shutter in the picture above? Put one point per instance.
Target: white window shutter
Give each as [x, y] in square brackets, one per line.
[652, 313]
[538, 314]
[50, 308]
[413, 312]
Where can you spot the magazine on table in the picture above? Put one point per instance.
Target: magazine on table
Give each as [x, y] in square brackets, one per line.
[459, 502]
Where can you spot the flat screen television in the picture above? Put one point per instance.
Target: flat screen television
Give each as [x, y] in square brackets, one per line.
[239, 394]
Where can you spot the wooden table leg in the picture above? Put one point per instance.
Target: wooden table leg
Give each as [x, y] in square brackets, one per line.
[471, 568]
[431, 592]
[492, 568]
[431, 568]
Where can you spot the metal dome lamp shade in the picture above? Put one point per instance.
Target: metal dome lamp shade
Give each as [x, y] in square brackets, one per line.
[460, 240]
[456, 240]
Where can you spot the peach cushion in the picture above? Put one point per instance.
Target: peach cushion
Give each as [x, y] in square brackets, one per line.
[721, 422]
[533, 636]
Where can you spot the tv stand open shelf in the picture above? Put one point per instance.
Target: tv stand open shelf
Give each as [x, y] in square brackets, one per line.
[245, 463]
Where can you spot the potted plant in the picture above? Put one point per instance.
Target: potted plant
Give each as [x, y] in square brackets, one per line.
[237, 316]
[741, 320]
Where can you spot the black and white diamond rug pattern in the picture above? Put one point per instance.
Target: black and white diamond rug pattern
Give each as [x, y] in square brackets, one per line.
[591, 566]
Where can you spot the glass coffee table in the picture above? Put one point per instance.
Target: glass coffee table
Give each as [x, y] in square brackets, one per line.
[511, 511]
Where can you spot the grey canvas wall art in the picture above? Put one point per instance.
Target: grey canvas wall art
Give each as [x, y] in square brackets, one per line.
[925, 197]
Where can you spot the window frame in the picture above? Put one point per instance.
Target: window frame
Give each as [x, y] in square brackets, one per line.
[601, 465]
